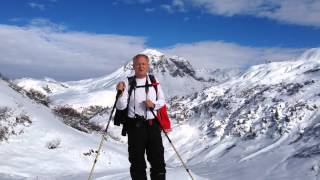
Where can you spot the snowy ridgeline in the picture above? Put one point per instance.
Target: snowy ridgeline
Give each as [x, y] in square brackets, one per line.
[263, 124]
[174, 73]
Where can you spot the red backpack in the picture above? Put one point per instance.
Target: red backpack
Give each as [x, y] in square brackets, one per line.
[163, 117]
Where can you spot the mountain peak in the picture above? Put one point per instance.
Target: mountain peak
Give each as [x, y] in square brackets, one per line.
[160, 63]
[152, 52]
[175, 66]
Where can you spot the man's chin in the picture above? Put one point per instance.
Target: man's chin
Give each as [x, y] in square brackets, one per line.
[141, 74]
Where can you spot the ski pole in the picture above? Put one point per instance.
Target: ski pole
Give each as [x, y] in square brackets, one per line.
[103, 135]
[175, 150]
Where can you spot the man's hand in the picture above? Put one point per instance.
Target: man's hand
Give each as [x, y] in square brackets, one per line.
[120, 86]
[149, 104]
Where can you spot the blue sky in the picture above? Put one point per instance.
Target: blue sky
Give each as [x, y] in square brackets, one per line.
[160, 27]
[194, 29]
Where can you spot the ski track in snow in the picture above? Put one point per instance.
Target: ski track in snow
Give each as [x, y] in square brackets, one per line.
[265, 149]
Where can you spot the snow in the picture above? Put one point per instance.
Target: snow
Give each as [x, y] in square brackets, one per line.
[152, 52]
[241, 139]
[227, 131]
[78, 94]
[28, 155]
[312, 54]
[265, 149]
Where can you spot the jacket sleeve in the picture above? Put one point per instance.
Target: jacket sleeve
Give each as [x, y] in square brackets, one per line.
[161, 98]
[123, 99]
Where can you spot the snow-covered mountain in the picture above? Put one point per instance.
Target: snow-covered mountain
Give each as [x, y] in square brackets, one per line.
[262, 125]
[219, 75]
[174, 73]
[261, 91]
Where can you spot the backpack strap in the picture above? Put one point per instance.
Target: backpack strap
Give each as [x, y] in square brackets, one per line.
[132, 83]
[154, 84]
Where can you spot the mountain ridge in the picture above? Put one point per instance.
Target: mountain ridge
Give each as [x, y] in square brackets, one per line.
[173, 74]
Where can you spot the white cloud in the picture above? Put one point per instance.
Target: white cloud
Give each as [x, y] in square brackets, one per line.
[43, 48]
[36, 5]
[301, 12]
[228, 7]
[219, 54]
[45, 51]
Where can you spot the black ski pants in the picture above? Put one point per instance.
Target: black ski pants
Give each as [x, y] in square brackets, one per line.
[145, 137]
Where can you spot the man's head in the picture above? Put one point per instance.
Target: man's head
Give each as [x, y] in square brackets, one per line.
[141, 65]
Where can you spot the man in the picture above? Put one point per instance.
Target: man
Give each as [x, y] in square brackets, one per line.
[144, 134]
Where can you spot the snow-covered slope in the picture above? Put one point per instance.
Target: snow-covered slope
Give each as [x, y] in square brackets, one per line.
[77, 94]
[262, 125]
[38, 145]
[219, 75]
[174, 74]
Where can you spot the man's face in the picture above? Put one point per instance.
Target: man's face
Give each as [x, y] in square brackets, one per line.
[140, 66]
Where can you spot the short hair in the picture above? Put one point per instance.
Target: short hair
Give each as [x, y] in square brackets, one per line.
[140, 55]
